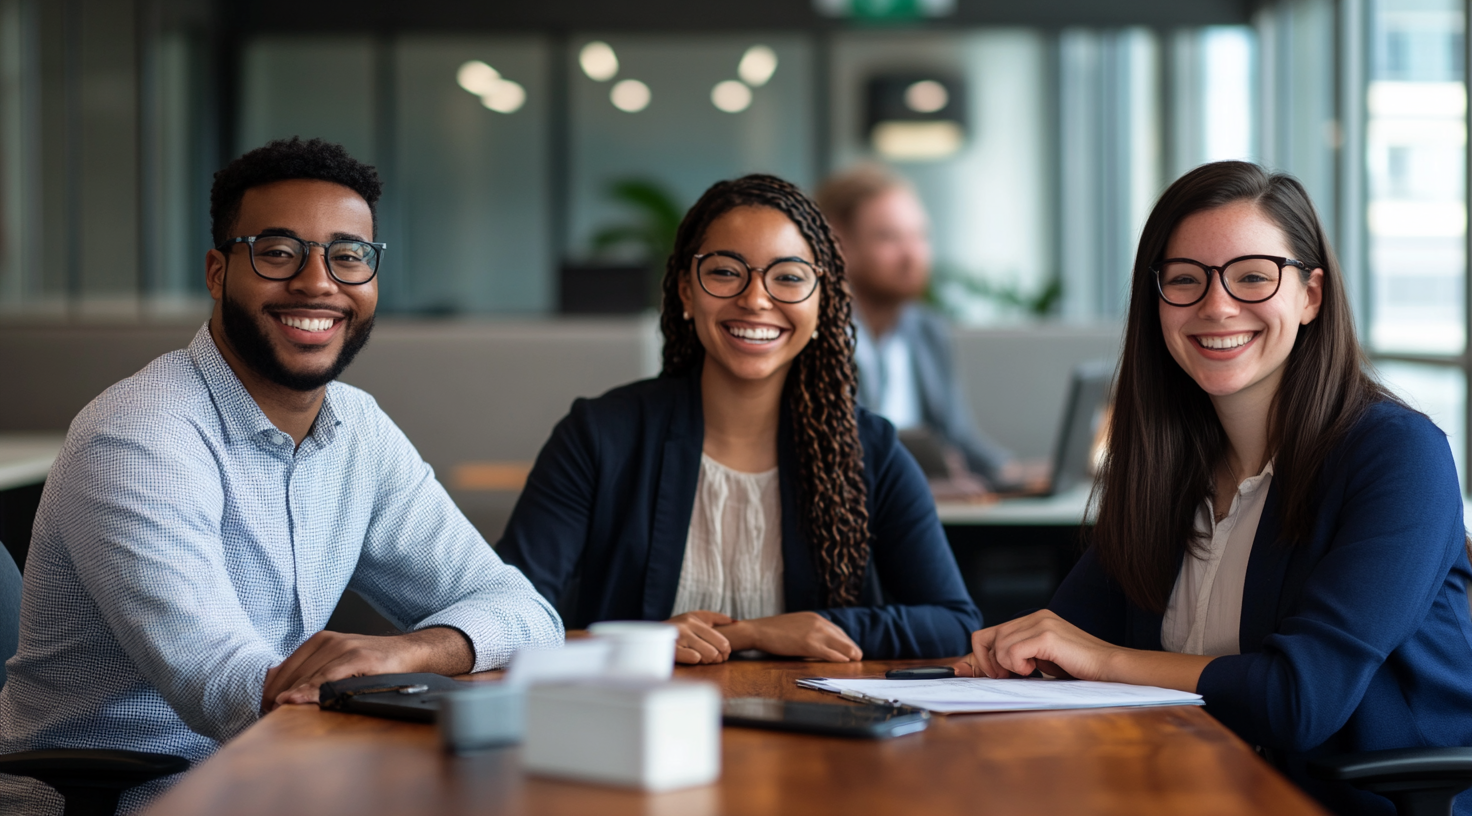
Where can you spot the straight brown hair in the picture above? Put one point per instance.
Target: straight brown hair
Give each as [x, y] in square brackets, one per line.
[1165, 440]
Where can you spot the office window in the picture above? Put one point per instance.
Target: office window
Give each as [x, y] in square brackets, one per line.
[676, 111]
[1212, 113]
[1416, 147]
[1110, 162]
[1415, 159]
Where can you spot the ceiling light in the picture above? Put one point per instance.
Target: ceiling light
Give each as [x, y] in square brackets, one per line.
[504, 97]
[630, 96]
[477, 77]
[757, 66]
[917, 141]
[598, 61]
[926, 96]
[731, 96]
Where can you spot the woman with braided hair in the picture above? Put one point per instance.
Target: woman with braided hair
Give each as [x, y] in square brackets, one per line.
[742, 495]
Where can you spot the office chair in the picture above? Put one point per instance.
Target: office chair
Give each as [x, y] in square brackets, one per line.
[89, 780]
[1420, 781]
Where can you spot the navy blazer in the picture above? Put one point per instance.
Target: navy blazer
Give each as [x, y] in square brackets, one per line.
[1357, 639]
[610, 498]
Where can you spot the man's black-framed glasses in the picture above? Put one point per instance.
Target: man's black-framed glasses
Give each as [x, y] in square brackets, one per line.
[281, 257]
[1248, 279]
[725, 274]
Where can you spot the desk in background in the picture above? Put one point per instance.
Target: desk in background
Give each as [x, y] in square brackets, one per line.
[25, 459]
[300, 760]
[1014, 553]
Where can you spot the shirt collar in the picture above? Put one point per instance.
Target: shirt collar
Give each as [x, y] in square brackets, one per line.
[907, 316]
[241, 416]
[1251, 485]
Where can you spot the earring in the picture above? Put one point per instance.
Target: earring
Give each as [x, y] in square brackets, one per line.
[815, 335]
[685, 315]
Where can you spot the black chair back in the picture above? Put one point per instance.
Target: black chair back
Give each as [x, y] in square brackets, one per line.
[9, 609]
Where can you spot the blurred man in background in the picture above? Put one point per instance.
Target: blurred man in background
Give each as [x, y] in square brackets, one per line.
[904, 355]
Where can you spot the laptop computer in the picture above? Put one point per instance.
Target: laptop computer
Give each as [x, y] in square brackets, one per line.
[1084, 414]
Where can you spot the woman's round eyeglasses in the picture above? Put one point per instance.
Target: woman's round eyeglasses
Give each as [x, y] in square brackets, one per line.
[1248, 279]
[725, 274]
[281, 257]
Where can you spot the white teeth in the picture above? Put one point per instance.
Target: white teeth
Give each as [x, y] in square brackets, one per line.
[1230, 341]
[311, 324]
[754, 334]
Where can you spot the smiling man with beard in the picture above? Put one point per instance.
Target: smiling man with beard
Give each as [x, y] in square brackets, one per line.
[206, 514]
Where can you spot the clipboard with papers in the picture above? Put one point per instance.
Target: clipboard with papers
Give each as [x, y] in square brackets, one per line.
[968, 695]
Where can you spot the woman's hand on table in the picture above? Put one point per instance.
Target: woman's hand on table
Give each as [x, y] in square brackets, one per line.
[1040, 641]
[699, 641]
[1043, 641]
[796, 634]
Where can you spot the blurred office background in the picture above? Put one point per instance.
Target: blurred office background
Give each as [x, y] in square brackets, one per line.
[533, 152]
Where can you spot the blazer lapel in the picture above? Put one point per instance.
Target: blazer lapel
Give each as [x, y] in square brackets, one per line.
[801, 588]
[674, 503]
[1266, 569]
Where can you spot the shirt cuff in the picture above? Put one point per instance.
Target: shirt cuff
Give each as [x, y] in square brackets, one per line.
[495, 636]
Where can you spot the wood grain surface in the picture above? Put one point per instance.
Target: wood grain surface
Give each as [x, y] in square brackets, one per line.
[1175, 760]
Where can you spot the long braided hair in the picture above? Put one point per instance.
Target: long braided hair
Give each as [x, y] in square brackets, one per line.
[820, 389]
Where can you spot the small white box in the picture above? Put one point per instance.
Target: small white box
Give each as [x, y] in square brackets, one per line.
[654, 735]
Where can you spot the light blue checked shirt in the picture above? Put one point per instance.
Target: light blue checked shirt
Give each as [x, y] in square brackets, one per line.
[184, 546]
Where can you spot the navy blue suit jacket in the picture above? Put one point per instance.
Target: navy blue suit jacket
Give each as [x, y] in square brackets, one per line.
[1357, 639]
[610, 498]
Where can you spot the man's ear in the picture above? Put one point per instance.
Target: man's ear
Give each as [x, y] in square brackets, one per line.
[214, 273]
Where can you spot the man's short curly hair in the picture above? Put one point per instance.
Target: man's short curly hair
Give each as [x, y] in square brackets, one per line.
[283, 160]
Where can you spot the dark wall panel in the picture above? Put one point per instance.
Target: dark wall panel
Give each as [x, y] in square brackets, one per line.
[676, 15]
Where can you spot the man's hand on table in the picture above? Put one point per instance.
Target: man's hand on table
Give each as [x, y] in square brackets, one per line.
[328, 656]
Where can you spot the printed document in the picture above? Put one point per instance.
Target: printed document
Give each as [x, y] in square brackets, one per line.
[963, 695]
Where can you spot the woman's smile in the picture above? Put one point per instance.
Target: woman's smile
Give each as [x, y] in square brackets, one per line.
[761, 335]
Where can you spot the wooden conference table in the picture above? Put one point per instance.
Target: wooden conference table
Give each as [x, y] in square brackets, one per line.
[301, 760]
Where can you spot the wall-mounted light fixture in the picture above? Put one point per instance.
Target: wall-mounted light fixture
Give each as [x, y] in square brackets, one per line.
[916, 117]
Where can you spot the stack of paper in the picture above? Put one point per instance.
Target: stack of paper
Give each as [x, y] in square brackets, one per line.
[961, 695]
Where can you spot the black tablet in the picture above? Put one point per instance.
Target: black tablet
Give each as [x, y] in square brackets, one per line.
[831, 719]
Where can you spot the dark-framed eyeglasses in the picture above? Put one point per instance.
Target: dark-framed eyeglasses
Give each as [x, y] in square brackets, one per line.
[282, 257]
[1248, 279]
[725, 274]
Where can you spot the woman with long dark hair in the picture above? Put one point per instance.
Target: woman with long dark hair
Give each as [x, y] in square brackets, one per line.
[742, 495]
[1275, 530]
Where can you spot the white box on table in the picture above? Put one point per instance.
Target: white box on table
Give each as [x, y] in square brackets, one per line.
[654, 735]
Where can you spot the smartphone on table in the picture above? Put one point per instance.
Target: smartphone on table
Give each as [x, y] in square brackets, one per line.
[830, 719]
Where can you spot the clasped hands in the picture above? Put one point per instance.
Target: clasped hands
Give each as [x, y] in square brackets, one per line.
[711, 637]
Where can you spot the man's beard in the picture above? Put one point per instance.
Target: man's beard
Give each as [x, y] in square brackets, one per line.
[249, 341]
